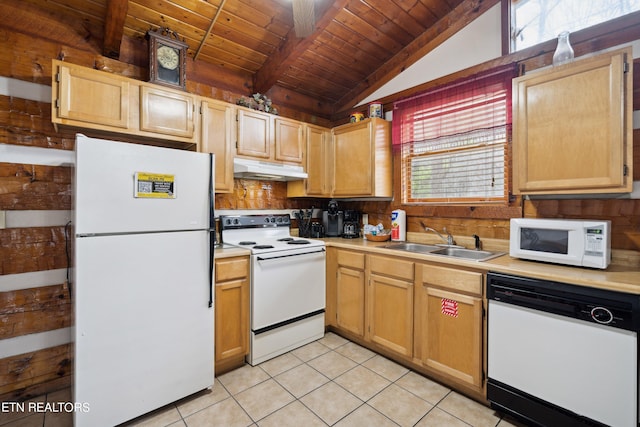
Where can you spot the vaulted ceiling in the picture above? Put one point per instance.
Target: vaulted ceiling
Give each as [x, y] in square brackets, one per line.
[354, 46]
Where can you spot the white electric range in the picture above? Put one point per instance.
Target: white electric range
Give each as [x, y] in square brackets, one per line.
[287, 283]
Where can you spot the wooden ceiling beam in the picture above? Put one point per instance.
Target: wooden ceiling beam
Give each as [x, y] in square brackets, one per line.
[114, 27]
[434, 36]
[293, 47]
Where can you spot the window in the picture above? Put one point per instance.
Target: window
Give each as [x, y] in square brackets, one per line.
[536, 21]
[455, 141]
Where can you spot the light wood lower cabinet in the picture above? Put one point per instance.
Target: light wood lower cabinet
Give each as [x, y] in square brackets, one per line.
[373, 298]
[449, 324]
[424, 315]
[231, 312]
[390, 303]
[350, 291]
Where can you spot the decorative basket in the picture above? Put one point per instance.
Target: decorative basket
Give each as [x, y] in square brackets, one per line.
[378, 237]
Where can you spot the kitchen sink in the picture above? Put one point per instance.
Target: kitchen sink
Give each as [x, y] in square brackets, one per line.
[450, 251]
[413, 247]
[472, 254]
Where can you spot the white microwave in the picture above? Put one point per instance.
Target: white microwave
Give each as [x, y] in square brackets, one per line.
[561, 241]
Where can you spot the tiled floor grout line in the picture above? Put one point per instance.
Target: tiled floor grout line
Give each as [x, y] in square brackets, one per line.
[271, 372]
[332, 380]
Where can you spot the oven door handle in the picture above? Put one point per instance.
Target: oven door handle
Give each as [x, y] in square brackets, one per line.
[259, 258]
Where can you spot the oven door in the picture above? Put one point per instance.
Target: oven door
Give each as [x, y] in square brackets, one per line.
[286, 286]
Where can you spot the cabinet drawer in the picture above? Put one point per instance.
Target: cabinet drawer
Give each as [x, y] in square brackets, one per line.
[232, 268]
[392, 267]
[351, 259]
[454, 279]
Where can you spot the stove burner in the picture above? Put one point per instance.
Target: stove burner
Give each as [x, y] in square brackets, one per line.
[285, 239]
[263, 247]
[298, 242]
[246, 242]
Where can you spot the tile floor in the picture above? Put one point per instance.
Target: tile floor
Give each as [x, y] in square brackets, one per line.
[330, 382]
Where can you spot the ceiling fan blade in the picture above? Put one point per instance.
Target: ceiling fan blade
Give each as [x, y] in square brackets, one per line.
[303, 17]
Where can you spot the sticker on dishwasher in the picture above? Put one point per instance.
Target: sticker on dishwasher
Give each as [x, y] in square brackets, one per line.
[154, 186]
[449, 307]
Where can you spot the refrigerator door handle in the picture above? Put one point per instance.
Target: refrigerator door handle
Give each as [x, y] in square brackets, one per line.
[212, 228]
[212, 244]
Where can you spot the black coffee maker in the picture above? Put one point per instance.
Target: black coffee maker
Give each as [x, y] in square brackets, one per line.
[351, 224]
[332, 220]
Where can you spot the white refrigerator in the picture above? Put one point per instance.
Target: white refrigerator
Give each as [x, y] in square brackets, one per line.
[143, 277]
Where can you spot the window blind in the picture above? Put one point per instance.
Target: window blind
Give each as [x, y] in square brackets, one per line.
[455, 140]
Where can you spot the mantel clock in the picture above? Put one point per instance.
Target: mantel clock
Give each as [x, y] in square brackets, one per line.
[167, 58]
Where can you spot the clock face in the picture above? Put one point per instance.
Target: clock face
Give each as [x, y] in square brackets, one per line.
[168, 57]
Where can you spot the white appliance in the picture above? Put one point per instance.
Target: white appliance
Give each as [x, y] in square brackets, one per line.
[287, 283]
[142, 293]
[561, 241]
[561, 354]
[256, 169]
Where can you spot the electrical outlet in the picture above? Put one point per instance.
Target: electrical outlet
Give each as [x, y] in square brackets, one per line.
[3, 219]
[365, 219]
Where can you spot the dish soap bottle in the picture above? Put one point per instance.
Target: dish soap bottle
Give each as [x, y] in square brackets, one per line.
[398, 225]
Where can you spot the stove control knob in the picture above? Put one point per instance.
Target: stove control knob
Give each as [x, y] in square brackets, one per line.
[273, 220]
[266, 220]
[601, 315]
[236, 221]
[279, 220]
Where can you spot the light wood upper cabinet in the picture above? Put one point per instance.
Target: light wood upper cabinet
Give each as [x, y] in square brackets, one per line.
[449, 324]
[93, 99]
[254, 133]
[264, 136]
[231, 312]
[317, 158]
[168, 112]
[288, 140]
[85, 97]
[217, 127]
[572, 127]
[362, 159]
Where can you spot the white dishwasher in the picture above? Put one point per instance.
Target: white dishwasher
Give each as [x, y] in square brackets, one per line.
[561, 354]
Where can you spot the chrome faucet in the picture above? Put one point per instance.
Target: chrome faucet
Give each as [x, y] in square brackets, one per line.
[448, 240]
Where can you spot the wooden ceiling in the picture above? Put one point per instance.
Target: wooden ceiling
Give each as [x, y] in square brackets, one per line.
[356, 46]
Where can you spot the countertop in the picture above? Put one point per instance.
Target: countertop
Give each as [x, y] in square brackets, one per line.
[227, 251]
[624, 278]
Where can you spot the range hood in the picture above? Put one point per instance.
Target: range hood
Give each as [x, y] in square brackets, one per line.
[266, 171]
